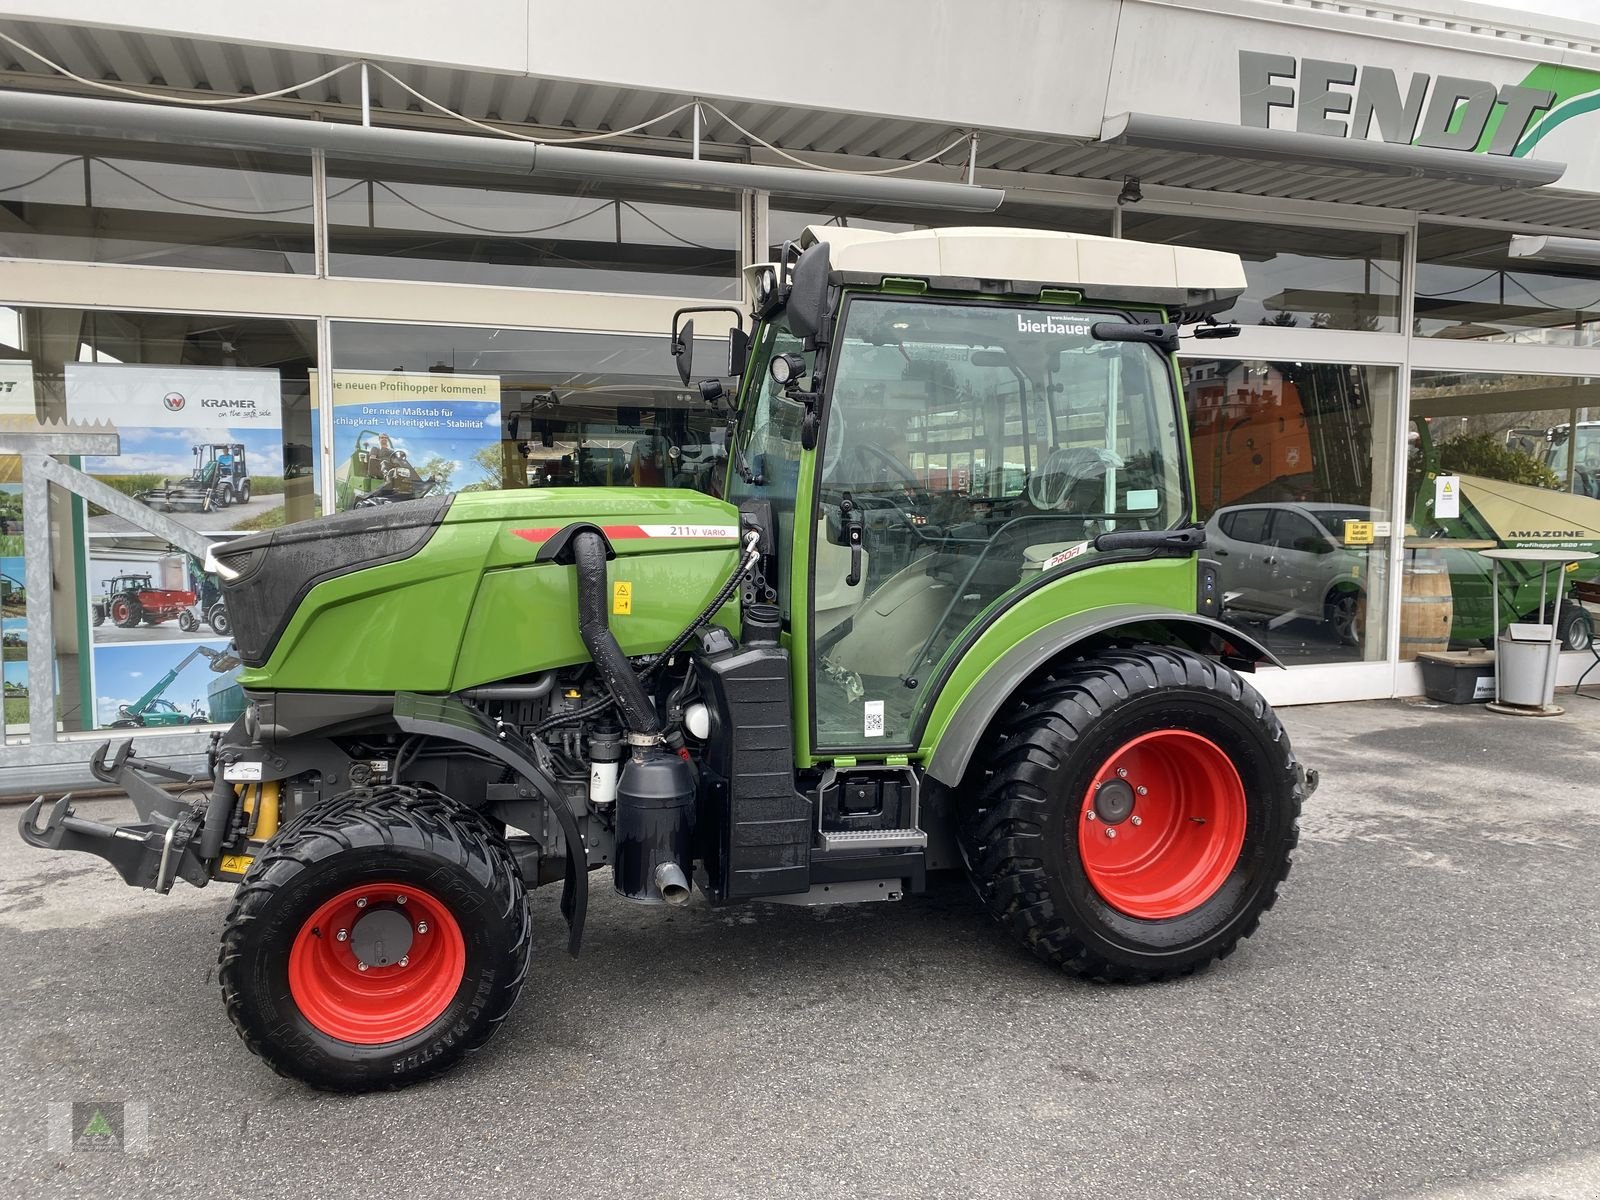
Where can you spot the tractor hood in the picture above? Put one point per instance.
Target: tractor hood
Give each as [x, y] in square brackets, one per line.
[446, 592]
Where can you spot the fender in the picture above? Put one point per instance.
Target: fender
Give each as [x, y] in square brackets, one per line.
[948, 763]
[448, 718]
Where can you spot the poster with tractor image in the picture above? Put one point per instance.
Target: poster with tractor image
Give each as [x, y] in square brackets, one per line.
[141, 589]
[202, 445]
[401, 436]
[164, 685]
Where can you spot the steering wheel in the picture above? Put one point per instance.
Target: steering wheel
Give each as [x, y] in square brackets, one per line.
[912, 495]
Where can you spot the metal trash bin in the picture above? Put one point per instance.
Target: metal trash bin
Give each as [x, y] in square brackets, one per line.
[1526, 666]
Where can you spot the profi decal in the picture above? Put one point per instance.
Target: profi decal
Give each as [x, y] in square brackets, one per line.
[1447, 113]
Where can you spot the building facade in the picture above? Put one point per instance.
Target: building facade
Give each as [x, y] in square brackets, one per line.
[332, 275]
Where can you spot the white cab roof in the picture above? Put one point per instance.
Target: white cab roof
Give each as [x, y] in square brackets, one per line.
[1100, 267]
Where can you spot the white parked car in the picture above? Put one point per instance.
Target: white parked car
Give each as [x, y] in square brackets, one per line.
[1288, 561]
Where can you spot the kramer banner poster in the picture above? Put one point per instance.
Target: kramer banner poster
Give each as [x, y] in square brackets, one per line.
[400, 436]
[203, 445]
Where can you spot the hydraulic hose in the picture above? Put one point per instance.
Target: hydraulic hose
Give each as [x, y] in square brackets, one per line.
[638, 714]
[752, 555]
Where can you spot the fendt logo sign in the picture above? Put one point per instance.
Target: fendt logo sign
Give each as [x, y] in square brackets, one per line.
[1344, 100]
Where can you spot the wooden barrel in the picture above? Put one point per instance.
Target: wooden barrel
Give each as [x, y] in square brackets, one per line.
[1426, 607]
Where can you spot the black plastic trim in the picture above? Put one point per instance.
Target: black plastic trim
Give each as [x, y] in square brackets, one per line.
[559, 548]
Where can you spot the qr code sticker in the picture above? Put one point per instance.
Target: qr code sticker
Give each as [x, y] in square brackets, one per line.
[874, 718]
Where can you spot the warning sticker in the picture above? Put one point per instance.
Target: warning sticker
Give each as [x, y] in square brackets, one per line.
[242, 772]
[873, 725]
[622, 598]
[235, 864]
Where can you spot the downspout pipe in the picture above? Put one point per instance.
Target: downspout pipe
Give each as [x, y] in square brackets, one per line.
[43, 112]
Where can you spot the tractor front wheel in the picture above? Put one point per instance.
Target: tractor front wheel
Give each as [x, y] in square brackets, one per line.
[1137, 815]
[379, 938]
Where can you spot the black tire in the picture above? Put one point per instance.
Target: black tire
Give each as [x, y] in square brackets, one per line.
[99, 614]
[126, 611]
[244, 492]
[217, 618]
[1021, 835]
[224, 496]
[406, 836]
[1344, 612]
[1576, 626]
[187, 621]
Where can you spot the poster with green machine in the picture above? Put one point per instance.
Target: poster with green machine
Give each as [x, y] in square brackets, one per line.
[402, 436]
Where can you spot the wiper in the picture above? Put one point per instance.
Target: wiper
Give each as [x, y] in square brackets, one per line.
[743, 467]
[740, 463]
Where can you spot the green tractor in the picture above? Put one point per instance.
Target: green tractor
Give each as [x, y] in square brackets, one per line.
[948, 612]
[379, 473]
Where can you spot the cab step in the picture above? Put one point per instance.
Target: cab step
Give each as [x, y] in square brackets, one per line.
[861, 840]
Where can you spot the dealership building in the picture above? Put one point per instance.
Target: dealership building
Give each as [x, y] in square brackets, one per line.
[245, 255]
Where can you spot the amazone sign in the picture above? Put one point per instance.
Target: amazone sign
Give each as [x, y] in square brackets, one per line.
[1446, 112]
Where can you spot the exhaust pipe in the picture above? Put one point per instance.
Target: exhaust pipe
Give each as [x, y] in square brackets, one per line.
[674, 888]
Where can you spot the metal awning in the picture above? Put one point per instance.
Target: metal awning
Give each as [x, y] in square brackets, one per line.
[564, 107]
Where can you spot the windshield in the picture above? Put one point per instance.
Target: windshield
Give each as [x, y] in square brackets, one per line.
[981, 447]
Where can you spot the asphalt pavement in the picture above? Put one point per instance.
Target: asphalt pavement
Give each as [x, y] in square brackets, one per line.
[1416, 1018]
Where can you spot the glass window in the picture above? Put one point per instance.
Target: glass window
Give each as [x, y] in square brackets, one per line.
[213, 421]
[1488, 285]
[422, 409]
[768, 466]
[1245, 524]
[976, 448]
[1301, 277]
[1524, 454]
[450, 227]
[1285, 453]
[787, 216]
[155, 205]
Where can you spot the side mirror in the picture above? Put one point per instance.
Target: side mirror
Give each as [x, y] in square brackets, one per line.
[808, 293]
[683, 350]
[738, 352]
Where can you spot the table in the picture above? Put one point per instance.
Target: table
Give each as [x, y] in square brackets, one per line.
[1546, 558]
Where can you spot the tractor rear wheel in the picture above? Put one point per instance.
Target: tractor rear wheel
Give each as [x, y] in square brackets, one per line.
[1137, 816]
[126, 612]
[379, 938]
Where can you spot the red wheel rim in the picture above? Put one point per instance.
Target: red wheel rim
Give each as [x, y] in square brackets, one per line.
[391, 999]
[1180, 841]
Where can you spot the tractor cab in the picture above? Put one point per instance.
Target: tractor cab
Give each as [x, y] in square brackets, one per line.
[931, 456]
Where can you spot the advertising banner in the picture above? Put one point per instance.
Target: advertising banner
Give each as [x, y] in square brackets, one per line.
[203, 445]
[14, 652]
[16, 388]
[165, 685]
[400, 436]
[140, 590]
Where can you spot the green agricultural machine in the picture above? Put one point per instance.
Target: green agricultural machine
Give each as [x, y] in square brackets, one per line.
[150, 711]
[947, 612]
